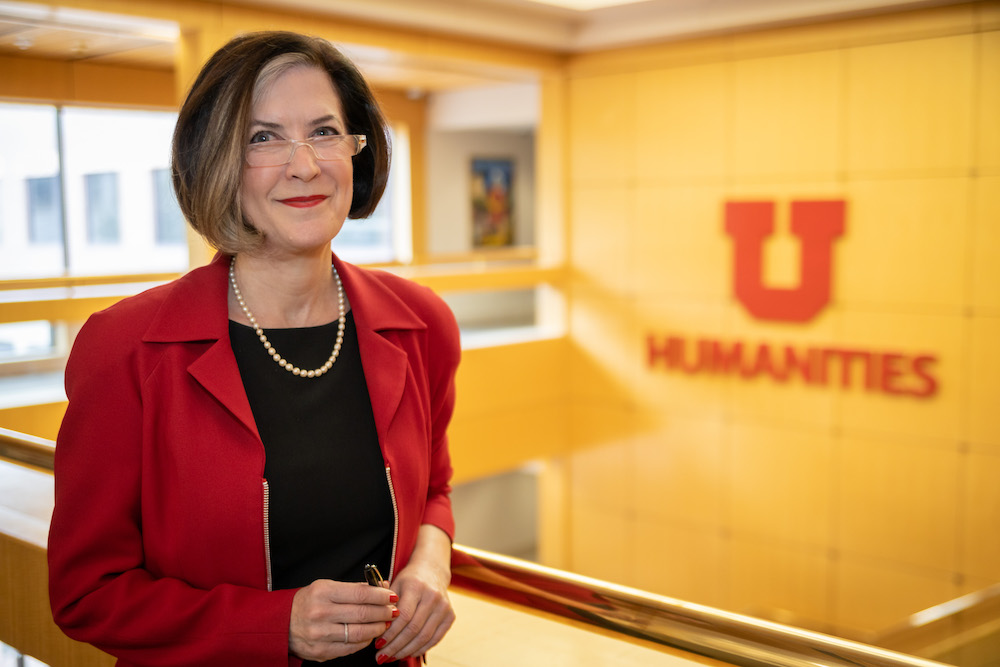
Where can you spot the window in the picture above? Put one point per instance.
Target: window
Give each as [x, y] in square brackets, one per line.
[101, 202]
[102, 207]
[30, 193]
[21, 340]
[169, 221]
[385, 235]
[87, 205]
[44, 210]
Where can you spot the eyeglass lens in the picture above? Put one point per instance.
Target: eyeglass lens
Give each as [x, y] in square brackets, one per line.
[274, 153]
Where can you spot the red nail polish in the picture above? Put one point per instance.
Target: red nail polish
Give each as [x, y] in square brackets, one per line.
[394, 598]
[379, 643]
[382, 659]
[388, 624]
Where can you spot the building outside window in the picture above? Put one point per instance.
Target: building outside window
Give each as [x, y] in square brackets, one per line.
[102, 207]
[170, 225]
[44, 211]
[111, 201]
[30, 205]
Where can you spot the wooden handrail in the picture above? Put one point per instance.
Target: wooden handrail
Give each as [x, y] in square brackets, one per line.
[24, 448]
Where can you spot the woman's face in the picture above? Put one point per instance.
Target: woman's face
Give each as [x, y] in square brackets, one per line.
[300, 206]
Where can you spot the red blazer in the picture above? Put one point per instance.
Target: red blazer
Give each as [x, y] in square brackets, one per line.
[157, 550]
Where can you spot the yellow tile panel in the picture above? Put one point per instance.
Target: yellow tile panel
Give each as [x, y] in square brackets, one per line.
[988, 94]
[984, 382]
[786, 116]
[679, 471]
[601, 476]
[779, 485]
[603, 546]
[681, 126]
[905, 245]
[872, 596]
[897, 501]
[787, 403]
[681, 562]
[981, 508]
[780, 582]
[604, 224]
[985, 269]
[679, 246]
[907, 356]
[604, 346]
[600, 110]
[909, 106]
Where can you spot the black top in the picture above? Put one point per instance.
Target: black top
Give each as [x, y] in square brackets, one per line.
[330, 509]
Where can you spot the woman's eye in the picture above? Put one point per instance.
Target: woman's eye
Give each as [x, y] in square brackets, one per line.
[261, 137]
[326, 132]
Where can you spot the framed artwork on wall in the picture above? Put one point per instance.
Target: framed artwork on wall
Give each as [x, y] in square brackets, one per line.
[492, 202]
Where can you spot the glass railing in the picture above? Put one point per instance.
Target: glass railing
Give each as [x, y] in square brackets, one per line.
[635, 616]
[727, 637]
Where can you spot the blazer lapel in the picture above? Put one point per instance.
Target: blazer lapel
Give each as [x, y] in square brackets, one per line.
[197, 311]
[379, 316]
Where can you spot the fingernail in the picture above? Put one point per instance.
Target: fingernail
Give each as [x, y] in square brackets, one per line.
[394, 598]
[395, 613]
[388, 624]
[382, 659]
[379, 643]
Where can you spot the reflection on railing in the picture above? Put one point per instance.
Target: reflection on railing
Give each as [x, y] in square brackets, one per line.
[724, 636]
[964, 631]
[731, 638]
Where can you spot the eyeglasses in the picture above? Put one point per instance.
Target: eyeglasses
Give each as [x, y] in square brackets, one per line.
[280, 151]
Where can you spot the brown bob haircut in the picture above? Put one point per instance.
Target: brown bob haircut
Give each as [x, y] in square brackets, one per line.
[209, 144]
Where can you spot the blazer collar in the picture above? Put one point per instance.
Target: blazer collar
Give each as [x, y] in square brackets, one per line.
[375, 305]
[195, 308]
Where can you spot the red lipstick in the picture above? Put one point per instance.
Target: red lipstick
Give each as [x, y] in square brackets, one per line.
[304, 202]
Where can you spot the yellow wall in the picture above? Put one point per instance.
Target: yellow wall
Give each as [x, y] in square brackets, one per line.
[841, 508]
[838, 508]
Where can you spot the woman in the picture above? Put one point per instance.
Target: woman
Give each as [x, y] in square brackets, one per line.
[241, 442]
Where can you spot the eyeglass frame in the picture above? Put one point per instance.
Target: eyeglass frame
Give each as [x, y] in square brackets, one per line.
[361, 141]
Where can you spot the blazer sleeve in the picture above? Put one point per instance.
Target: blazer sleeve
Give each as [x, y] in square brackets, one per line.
[99, 590]
[445, 353]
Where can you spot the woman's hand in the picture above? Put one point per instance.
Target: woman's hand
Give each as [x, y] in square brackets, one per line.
[322, 610]
[425, 613]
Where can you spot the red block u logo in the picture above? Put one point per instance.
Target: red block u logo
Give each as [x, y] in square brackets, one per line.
[816, 224]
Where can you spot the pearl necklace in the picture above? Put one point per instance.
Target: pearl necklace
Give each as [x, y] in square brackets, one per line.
[294, 370]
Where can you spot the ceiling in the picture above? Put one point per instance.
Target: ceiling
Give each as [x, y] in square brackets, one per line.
[564, 26]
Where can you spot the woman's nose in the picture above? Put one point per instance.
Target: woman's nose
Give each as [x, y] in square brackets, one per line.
[303, 162]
